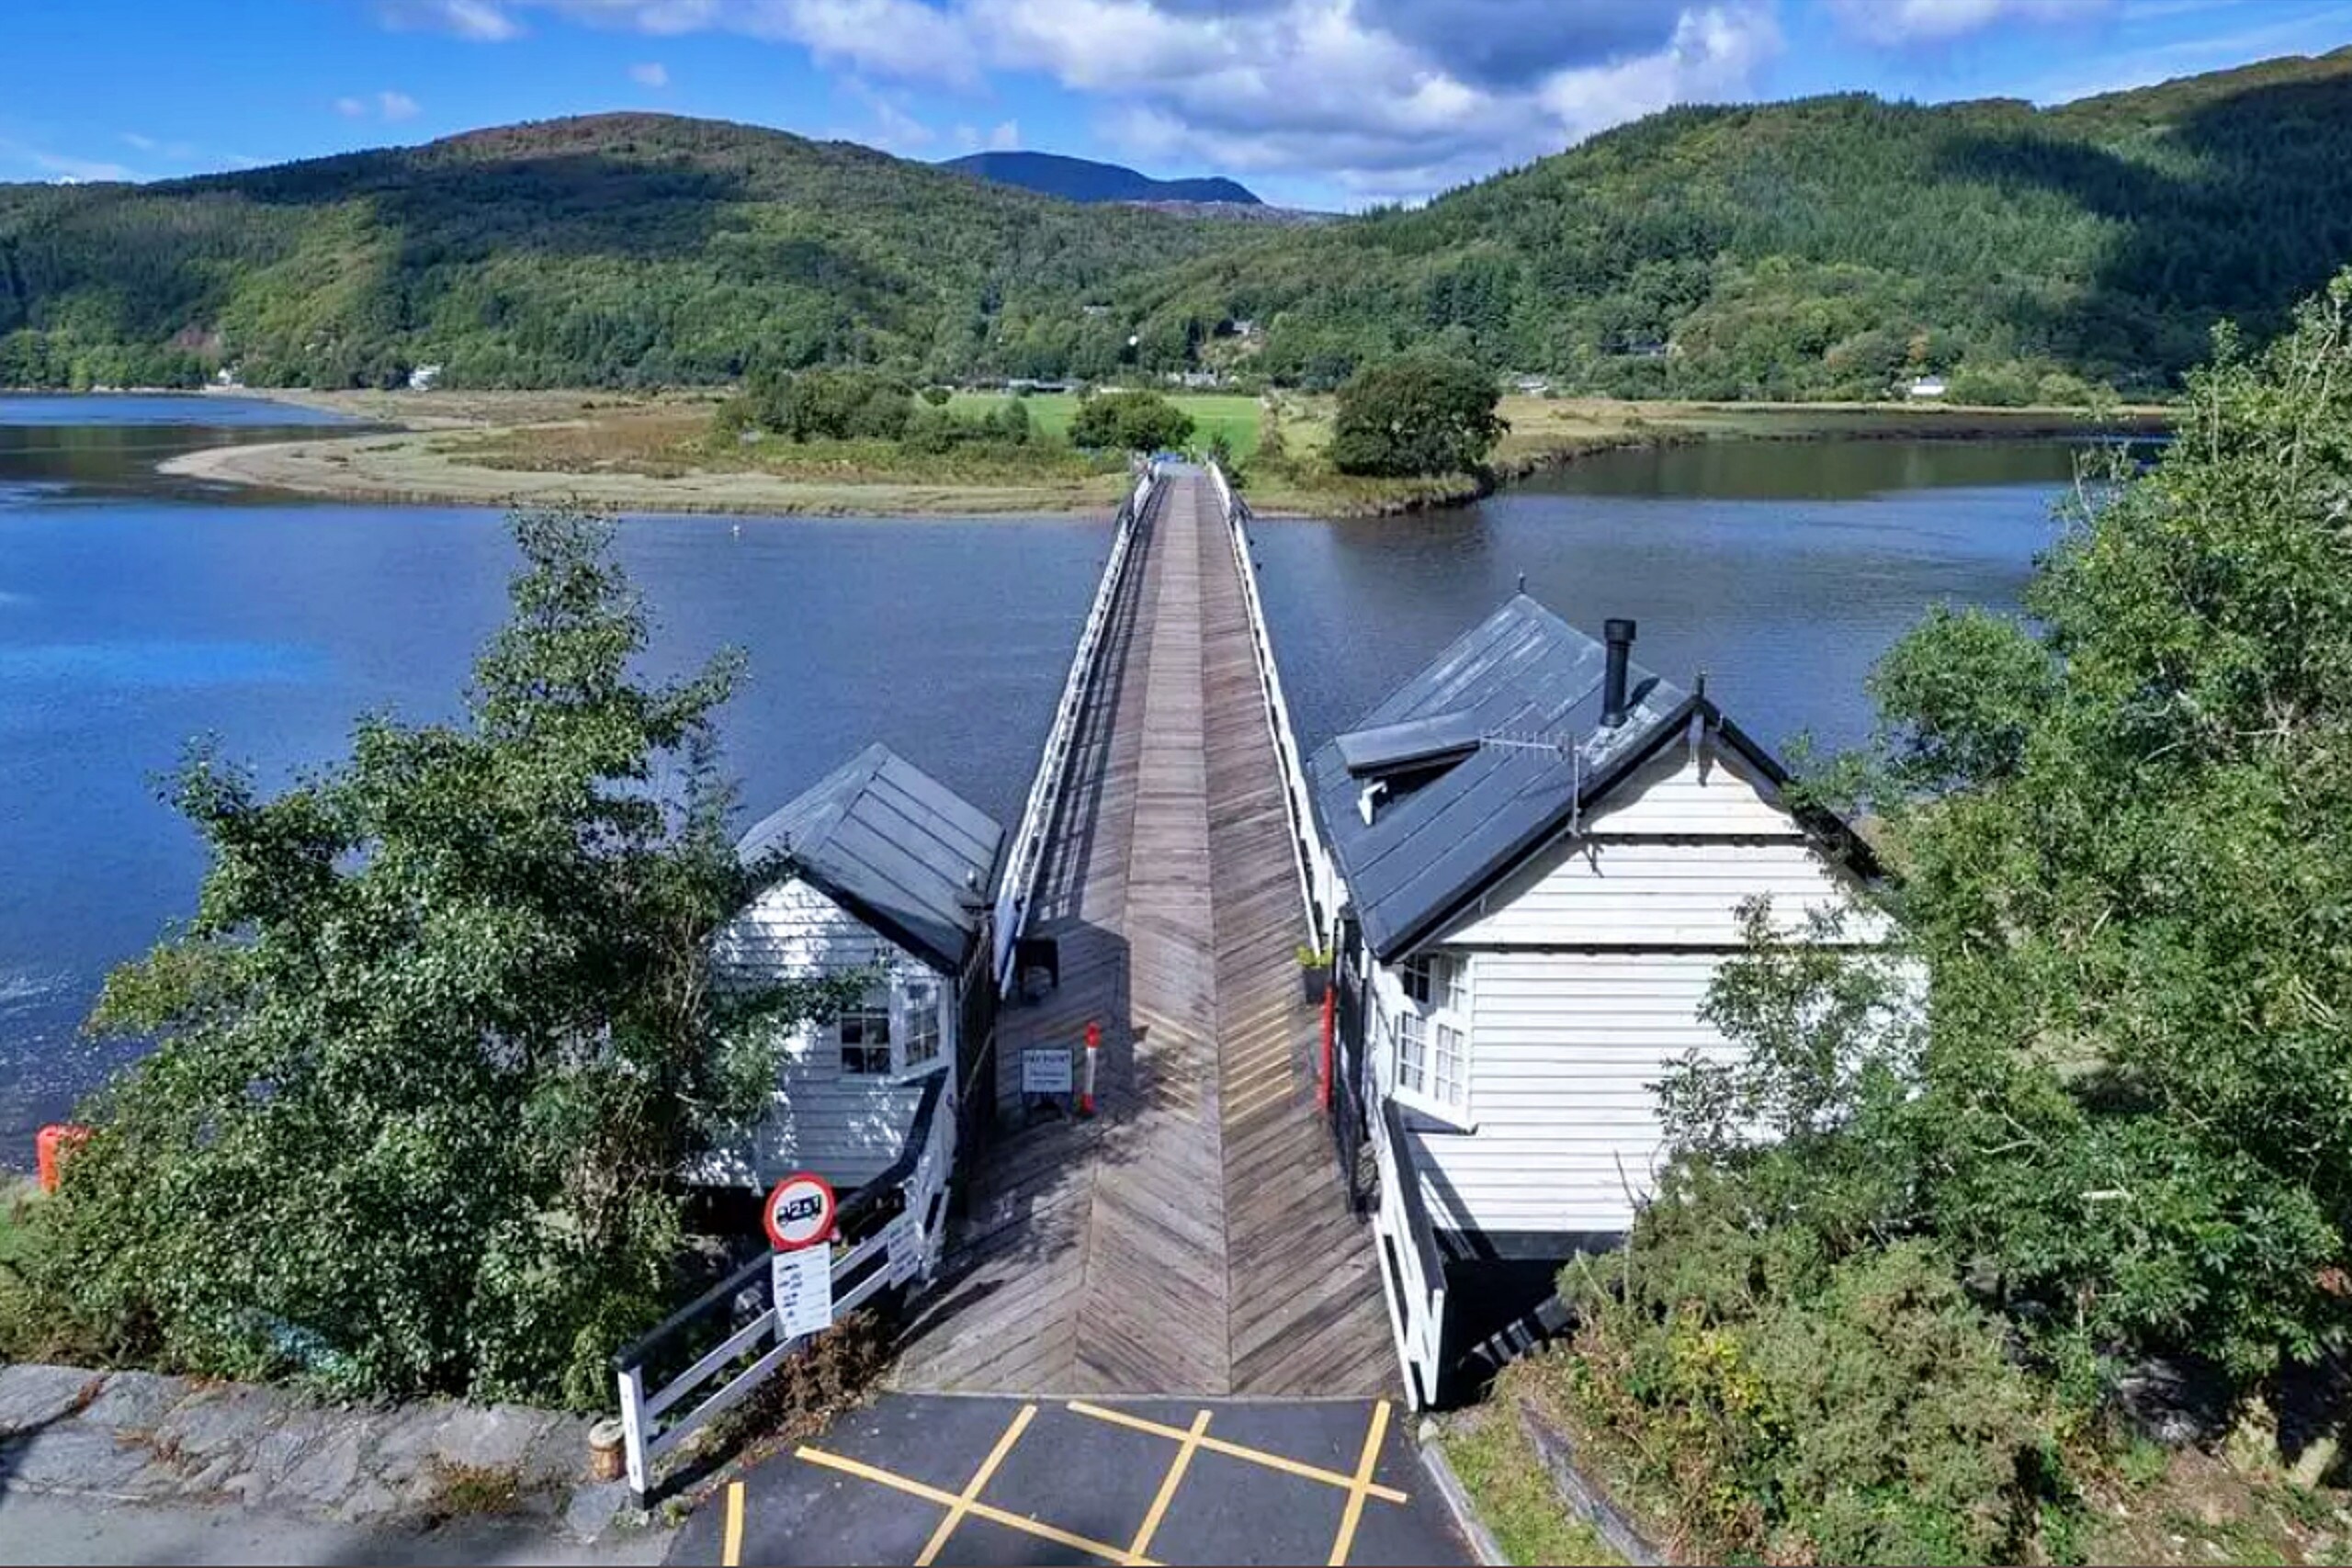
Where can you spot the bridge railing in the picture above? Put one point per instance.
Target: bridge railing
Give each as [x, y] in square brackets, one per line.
[1318, 879]
[1018, 888]
[715, 1352]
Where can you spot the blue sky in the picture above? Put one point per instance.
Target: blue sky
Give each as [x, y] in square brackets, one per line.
[1318, 103]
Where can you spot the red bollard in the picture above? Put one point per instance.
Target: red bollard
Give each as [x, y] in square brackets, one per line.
[1331, 1028]
[1093, 1050]
[50, 1145]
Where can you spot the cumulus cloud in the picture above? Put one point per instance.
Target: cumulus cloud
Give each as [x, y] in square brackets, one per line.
[1004, 136]
[649, 73]
[1940, 21]
[1387, 98]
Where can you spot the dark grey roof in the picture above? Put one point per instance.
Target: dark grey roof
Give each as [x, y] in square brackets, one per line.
[895, 847]
[1526, 686]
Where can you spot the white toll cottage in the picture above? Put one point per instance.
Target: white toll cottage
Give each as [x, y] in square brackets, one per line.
[1541, 848]
[881, 867]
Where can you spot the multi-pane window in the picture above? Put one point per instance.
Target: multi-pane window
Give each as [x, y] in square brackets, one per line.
[866, 1041]
[1412, 1051]
[919, 1040]
[1433, 1029]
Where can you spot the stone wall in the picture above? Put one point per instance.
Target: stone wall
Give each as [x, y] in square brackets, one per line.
[142, 1436]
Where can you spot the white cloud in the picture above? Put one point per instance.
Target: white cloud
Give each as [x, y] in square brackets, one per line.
[63, 168]
[1386, 98]
[1904, 22]
[387, 106]
[649, 73]
[1005, 136]
[485, 21]
[894, 129]
[133, 140]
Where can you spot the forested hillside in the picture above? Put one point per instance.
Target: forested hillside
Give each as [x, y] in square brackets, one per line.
[1833, 245]
[607, 251]
[1829, 247]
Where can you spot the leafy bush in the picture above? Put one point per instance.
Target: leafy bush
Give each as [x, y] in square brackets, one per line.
[1130, 422]
[839, 405]
[1783, 1405]
[436, 1041]
[1415, 418]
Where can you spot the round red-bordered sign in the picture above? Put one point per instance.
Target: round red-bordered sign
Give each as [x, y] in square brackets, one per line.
[800, 1211]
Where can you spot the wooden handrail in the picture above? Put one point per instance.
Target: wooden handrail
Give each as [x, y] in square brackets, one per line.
[1026, 856]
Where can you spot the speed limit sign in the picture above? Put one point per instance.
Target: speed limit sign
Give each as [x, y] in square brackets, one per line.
[800, 1211]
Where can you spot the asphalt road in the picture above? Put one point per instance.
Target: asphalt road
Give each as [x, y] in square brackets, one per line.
[924, 1479]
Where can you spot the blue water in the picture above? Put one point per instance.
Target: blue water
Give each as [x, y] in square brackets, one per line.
[1783, 571]
[137, 613]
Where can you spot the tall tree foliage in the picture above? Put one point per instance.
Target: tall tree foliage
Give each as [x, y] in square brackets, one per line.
[440, 1034]
[2090, 1103]
[2126, 830]
[1416, 416]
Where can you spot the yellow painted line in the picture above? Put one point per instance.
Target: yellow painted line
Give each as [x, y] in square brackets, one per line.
[1241, 1451]
[731, 1553]
[1184, 1451]
[978, 1511]
[1021, 1420]
[1362, 1484]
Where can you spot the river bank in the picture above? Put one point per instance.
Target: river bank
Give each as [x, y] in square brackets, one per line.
[652, 454]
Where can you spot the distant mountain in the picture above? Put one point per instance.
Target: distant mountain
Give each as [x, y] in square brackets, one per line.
[1082, 179]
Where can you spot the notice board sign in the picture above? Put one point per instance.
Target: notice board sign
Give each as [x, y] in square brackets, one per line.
[803, 1283]
[1046, 1070]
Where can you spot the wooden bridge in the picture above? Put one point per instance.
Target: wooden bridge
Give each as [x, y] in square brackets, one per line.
[1193, 1236]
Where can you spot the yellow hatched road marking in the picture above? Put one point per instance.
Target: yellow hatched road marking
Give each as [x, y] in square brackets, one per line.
[977, 1510]
[731, 1552]
[1021, 1420]
[1184, 1450]
[1256, 1456]
[1362, 1484]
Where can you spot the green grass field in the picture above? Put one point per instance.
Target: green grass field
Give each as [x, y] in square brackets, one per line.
[1049, 412]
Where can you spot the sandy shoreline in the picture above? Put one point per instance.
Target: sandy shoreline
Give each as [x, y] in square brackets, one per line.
[400, 468]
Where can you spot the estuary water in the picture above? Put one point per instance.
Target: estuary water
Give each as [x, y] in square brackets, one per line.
[139, 612]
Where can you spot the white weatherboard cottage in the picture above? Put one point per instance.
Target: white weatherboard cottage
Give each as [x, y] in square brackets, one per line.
[1542, 847]
[882, 867]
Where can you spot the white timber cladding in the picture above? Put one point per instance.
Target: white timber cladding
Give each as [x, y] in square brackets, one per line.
[845, 1126]
[1587, 966]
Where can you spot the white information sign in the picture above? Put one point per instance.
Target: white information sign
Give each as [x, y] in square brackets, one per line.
[1045, 1070]
[803, 1282]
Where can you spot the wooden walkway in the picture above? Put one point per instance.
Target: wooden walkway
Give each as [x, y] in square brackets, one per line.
[1192, 1238]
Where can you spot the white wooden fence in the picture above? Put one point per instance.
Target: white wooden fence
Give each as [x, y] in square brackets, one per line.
[1017, 889]
[1319, 881]
[1412, 1273]
[658, 1416]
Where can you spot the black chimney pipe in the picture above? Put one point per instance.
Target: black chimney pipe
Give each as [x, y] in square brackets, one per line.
[1619, 635]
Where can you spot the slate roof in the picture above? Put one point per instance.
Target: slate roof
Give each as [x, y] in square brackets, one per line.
[1530, 686]
[894, 846]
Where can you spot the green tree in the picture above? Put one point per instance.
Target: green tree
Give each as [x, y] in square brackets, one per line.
[2125, 829]
[442, 1030]
[1414, 416]
[1134, 422]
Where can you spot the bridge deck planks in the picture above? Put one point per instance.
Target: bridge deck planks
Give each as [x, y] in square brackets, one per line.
[1191, 1238]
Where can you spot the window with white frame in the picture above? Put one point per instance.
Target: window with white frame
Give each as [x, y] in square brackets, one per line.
[919, 1027]
[1431, 1032]
[865, 1031]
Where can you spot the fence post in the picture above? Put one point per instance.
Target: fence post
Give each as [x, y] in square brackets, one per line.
[632, 1381]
